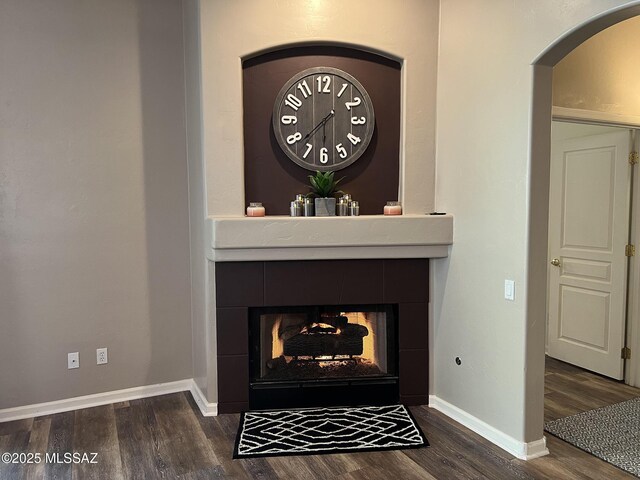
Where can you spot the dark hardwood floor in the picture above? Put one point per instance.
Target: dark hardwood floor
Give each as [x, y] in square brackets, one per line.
[166, 437]
[569, 390]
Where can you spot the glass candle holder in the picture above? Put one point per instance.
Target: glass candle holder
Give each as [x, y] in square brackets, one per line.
[255, 209]
[342, 209]
[393, 208]
[309, 207]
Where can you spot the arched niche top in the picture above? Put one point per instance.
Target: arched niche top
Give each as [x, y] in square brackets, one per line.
[383, 55]
[574, 37]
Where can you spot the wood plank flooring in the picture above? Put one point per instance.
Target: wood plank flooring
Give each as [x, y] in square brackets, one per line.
[166, 437]
[570, 390]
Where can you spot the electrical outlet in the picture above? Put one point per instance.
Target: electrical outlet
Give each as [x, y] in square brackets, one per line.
[101, 356]
[73, 360]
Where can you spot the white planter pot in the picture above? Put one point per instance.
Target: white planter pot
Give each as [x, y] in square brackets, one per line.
[325, 207]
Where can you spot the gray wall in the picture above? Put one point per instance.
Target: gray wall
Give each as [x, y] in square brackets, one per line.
[489, 175]
[197, 200]
[94, 226]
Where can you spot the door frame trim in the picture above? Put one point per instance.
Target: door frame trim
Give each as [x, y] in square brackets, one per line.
[632, 366]
[593, 117]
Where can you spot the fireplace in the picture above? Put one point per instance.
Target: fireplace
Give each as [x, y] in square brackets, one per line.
[384, 301]
[323, 355]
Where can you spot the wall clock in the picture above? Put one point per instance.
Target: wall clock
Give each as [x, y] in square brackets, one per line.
[323, 119]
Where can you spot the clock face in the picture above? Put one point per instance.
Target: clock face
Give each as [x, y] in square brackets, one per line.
[323, 119]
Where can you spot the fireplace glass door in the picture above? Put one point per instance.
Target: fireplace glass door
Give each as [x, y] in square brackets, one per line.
[323, 343]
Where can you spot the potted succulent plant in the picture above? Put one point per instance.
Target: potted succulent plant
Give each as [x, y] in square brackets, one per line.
[324, 188]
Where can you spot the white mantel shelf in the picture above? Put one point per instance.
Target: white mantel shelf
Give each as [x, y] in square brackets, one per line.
[233, 239]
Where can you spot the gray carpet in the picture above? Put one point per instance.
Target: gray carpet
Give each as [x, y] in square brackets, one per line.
[611, 433]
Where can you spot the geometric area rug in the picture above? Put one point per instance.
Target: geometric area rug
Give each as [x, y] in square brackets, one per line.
[313, 431]
[611, 433]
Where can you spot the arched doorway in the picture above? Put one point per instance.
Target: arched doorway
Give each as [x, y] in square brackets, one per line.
[538, 195]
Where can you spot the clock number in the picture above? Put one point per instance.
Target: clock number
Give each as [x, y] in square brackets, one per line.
[289, 119]
[304, 88]
[309, 147]
[353, 139]
[341, 151]
[293, 138]
[358, 121]
[344, 87]
[356, 101]
[293, 102]
[326, 80]
[324, 155]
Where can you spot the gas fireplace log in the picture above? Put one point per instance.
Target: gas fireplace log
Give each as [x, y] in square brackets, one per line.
[348, 342]
[338, 321]
[353, 329]
[288, 332]
[276, 363]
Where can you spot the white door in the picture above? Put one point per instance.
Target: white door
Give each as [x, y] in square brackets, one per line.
[588, 233]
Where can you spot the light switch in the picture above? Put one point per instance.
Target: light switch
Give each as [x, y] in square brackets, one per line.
[509, 290]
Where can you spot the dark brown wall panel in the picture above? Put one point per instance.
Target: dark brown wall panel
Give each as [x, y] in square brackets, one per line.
[301, 283]
[411, 400]
[325, 282]
[414, 372]
[233, 331]
[273, 179]
[361, 282]
[414, 325]
[233, 378]
[239, 284]
[237, 407]
[406, 280]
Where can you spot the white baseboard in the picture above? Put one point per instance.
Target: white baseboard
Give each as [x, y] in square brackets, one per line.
[535, 449]
[522, 450]
[86, 401]
[208, 409]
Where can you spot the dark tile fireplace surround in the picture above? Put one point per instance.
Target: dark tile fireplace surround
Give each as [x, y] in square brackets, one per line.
[244, 287]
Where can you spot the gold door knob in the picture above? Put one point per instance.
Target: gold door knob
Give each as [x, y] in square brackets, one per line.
[555, 262]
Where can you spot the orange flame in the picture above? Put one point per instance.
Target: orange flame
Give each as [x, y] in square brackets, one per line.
[277, 344]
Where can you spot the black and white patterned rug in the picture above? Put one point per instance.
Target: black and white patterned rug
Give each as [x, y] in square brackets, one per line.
[314, 431]
[611, 433]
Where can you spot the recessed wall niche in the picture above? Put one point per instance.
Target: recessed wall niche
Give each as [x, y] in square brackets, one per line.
[271, 177]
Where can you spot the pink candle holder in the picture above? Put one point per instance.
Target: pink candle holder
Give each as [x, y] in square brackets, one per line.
[393, 208]
[255, 209]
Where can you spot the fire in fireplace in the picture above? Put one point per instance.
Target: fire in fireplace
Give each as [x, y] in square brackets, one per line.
[327, 347]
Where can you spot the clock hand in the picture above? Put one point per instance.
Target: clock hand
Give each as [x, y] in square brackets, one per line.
[322, 122]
